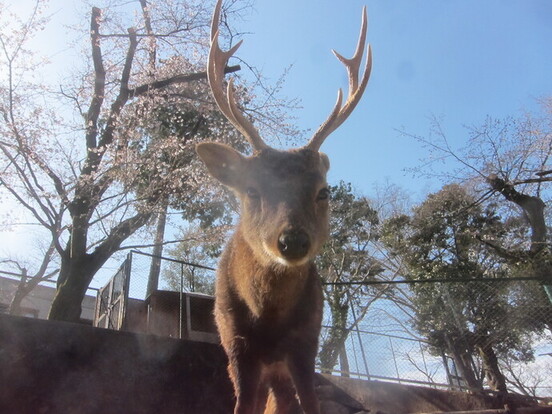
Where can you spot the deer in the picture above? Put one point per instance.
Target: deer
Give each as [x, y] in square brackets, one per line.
[268, 295]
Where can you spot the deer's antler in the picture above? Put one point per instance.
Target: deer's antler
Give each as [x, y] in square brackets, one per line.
[340, 113]
[227, 104]
[215, 74]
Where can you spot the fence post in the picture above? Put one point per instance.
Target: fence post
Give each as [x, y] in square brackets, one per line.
[181, 304]
[447, 369]
[360, 343]
[424, 360]
[394, 359]
[127, 269]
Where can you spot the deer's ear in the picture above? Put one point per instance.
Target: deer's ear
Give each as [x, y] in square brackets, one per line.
[324, 161]
[223, 162]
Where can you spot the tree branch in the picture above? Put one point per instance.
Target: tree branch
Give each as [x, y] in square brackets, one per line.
[99, 80]
[122, 97]
[151, 36]
[143, 89]
[119, 234]
[533, 180]
[26, 205]
[543, 173]
[514, 256]
[533, 207]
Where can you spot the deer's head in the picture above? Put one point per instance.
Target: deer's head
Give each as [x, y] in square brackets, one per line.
[284, 195]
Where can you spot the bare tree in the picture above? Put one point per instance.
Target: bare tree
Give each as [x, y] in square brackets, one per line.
[94, 183]
[29, 279]
[529, 381]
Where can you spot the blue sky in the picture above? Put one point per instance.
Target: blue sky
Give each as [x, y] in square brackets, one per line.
[459, 59]
[462, 60]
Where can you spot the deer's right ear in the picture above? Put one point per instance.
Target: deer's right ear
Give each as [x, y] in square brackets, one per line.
[223, 162]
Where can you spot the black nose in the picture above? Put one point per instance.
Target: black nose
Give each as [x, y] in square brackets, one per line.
[294, 244]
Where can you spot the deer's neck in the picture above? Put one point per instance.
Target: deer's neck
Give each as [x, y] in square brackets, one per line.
[270, 289]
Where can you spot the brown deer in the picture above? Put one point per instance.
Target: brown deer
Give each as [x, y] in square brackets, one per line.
[268, 306]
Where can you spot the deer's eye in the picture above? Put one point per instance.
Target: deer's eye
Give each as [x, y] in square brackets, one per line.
[252, 193]
[323, 194]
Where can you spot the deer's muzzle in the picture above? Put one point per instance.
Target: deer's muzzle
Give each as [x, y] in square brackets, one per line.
[294, 244]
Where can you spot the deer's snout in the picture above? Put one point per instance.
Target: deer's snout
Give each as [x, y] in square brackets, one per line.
[294, 244]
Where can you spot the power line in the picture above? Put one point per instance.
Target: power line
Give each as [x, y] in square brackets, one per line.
[420, 281]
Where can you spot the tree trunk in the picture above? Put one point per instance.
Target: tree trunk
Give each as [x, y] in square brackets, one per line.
[494, 376]
[344, 362]
[74, 278]
[15, 305]
[79, 267]
[155, 268]
[332, 346]
[20, 293]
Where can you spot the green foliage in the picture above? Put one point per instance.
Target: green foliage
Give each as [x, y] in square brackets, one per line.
[346, 258]
[445, 239]
[199, 246]
[353, 224]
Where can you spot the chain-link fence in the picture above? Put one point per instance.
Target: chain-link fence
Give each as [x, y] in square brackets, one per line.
[460, 334]
[149, 273]
[379, 356]
[466, 334]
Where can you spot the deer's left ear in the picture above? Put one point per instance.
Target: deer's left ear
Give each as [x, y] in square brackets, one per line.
[324, 161]
[223, 162]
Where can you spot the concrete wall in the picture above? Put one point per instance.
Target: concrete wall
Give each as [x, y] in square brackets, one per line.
[52, 367]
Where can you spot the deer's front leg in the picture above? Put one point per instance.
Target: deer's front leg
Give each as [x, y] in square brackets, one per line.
[282, 399]
[301, 367]
[245, 374]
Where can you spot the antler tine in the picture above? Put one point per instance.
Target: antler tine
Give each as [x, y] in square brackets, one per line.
[340, 113]
[215, 74]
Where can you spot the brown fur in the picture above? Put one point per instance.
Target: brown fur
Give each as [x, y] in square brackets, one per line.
[268, 308]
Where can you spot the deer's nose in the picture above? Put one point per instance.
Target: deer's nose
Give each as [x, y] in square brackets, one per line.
[294, 244]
